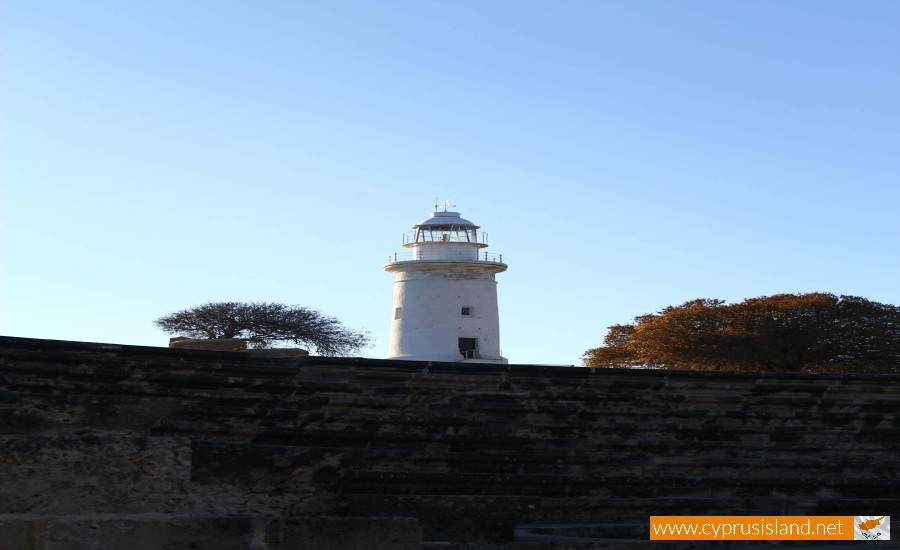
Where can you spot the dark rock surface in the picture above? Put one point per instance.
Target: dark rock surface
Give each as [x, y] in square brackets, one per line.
[192, 445]
[154, 532]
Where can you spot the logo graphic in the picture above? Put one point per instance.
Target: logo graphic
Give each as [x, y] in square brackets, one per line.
[871, 527]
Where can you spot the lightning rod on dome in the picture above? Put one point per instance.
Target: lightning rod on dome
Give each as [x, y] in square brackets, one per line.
[445, 204]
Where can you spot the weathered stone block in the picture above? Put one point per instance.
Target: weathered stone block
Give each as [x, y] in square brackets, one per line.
[28, 414]
[179, 533]
[78, 475]
[277, 352]
[220, 344]
[241, 479]
[347, 533]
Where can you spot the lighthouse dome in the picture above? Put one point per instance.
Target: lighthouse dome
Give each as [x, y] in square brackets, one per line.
[446, 218]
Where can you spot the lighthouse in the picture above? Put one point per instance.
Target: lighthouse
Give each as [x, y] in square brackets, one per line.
[445, 293]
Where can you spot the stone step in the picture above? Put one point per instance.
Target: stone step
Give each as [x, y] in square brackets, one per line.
[72, 414]
[632, 534]
[630, 508]
[481, 440]
[612, 486]
[829, 411]
[486, 518]
[882, 414]
[874, 422]
[513, 380]
[492, 439]
[634, 456]
[46, 386]
[49, 353]
[164, 379]
[334, 411]
[375, 373]
[445, 462]
[30, 411]
[628, 544]
[660, 460]
[536, 463]
[584, 532]
[48, 350]
[486, 437]
[155, 531]
[278, 380]
[453, 430]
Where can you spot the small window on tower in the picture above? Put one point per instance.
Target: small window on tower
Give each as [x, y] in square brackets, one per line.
[467, 310]
[398, 311]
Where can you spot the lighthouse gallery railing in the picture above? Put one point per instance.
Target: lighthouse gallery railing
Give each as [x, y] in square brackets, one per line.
[482, 257]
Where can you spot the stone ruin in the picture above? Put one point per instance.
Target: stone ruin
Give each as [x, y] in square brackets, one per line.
[110, 446]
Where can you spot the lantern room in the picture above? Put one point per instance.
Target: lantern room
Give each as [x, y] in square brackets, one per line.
[445, 227]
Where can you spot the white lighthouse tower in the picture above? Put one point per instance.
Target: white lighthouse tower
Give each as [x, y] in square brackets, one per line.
[445, 294]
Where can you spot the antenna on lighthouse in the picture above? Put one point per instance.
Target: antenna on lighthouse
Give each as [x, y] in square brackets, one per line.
[445, 205]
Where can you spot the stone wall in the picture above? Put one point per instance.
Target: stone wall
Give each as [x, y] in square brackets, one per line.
[106, 443]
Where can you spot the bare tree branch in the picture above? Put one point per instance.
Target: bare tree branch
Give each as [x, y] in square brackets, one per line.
[265, 324]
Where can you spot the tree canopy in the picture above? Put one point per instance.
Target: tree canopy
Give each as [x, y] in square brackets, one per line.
[265, 325]
[814, 332]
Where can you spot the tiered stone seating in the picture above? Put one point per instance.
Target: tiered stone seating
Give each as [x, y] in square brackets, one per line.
[478, 454]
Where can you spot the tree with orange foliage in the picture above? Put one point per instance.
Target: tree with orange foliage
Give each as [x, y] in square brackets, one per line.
[814, 332]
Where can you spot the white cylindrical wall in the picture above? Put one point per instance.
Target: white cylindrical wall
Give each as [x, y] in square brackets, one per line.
[427, 309]
[445, 251]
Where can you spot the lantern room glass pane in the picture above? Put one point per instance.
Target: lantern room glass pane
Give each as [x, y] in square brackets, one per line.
[446, 233]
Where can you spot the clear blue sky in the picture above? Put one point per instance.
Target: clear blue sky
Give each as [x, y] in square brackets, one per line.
[623, 156]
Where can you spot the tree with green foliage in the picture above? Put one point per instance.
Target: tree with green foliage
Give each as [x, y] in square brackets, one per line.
[815, 332]
[265, 325]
